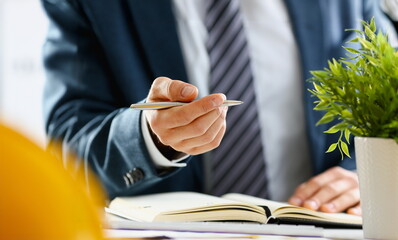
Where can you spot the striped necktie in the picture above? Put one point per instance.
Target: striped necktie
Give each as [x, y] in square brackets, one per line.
[238, 163]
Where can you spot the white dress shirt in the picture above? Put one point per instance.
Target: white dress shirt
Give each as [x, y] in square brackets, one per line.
[278, 83]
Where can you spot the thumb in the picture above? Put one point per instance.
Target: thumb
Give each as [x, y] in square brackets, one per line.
[166, 89]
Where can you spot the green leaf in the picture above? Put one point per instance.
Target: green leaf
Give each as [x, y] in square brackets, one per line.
[372, 24]
[344, 147]
[347, 134]
[346, 114]
[332, 130]
[371, 35]
[320, 74]
[372, 60]
[366, 44]
[331, 148]
[337, 127]
[335, 66]
[322, 105]
[350, 65]
[318, 88]
[353, 30]
[393, 124]
[355, 40]
[328, 117]
[352, 50]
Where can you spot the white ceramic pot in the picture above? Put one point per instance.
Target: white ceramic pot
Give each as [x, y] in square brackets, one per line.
[377, 166]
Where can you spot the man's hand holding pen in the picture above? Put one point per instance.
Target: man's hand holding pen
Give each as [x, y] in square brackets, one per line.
[195, 128]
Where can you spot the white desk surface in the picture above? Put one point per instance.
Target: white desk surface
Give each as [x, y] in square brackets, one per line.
[120, 228]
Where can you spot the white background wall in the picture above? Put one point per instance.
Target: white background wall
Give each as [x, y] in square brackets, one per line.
[23, 26]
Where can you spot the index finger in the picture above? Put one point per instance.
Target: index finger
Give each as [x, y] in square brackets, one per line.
[312, 186]
[183, 115]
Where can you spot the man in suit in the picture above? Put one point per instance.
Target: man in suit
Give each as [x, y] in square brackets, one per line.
[101, 56]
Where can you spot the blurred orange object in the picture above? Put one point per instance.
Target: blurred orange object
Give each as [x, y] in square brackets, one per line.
[39, 198]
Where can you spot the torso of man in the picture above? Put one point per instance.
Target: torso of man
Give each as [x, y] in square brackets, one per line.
[277, 78]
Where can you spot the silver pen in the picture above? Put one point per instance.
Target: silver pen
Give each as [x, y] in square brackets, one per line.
[164, 105]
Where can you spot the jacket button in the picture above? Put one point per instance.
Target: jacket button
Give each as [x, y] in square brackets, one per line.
[133, 176]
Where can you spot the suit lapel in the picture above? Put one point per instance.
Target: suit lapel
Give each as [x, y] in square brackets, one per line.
[156, 28]
[307, 21]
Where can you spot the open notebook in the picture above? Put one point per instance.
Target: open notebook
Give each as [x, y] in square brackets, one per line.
[192, 206]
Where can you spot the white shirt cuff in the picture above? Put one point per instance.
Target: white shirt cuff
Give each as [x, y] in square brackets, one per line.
[157, 157]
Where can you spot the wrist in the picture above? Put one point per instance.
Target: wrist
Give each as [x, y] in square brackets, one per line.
[167, 151]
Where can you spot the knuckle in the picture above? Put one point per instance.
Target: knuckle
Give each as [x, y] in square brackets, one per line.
[179, 146]
[155, 124]
[207, 106]
[352, 182]
[354, 194]
[199, 130]
[166, 139]
[171, 85]
[214, 138]
[223, 128]
[155, 84]
[174, 89]
[355, 181]
[215, 144]
[161, 87]
[350, 195]
[354, 176]
[158, 80]
[163, 140]
[208, 137]
[337, 170]
[301, 187]
[301, 193]
[224, 113]
[219, 111]
[332, 189]
[314, 182]
[194, 151]
[181, 118]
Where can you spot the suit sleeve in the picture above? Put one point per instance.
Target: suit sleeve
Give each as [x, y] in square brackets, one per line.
[83, 110]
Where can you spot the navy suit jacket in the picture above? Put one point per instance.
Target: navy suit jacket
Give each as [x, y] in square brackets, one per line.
[102, 55]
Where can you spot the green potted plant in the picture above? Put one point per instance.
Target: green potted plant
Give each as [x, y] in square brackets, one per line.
[360, 92]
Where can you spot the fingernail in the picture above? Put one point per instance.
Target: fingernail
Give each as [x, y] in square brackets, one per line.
[311, 204]
[295, 201]
[355, 211]
[187, 91]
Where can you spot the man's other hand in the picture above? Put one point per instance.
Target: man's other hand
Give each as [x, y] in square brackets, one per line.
[335, 190]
